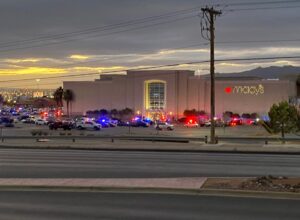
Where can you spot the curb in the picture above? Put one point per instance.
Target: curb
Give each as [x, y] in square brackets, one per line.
[195, 192]
[229, 151]
[252, 194]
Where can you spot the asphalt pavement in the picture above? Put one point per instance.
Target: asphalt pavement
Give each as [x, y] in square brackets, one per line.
[33, 163]
[241, 131]
[39, 205]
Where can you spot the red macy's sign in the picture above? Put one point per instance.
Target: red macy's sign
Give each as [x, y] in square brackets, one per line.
[246, 90]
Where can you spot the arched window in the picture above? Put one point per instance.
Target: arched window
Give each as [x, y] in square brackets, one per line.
[155, 95]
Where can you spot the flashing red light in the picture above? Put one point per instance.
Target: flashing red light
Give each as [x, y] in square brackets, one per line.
[228, 90]
[233, 123]
[191, 120]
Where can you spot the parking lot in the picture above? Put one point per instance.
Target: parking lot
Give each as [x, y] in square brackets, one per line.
[21, 129]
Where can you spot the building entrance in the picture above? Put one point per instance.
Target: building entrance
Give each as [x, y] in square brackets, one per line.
[156, 115]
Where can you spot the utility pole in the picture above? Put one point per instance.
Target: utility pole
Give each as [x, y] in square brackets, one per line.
[209, 16]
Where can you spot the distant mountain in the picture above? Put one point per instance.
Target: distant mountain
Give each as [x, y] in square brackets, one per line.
[284, 72]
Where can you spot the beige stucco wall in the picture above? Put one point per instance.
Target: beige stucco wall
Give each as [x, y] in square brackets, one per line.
[129, 91]
[183, 91]
[274, 91]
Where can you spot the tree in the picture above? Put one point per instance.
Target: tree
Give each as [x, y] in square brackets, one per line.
[193, 113]
[42, 103]
[126, 114]
[58, 96]
[68, 97]
[189, 113]
[103, 112]
[283, 118]
[114, 113]
[1, 100]
[227, 116]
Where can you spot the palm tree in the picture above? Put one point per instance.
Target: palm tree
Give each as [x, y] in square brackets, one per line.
[58, 96]
[68, 96]
[1, 100]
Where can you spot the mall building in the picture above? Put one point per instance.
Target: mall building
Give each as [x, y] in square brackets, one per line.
[170, 92]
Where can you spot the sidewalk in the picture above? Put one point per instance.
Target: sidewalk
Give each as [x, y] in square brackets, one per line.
[185, 185]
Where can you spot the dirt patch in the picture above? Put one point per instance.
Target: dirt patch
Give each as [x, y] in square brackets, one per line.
[264, 183]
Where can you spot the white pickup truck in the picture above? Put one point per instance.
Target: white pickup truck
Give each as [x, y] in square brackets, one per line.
[164, 125]
[89, 125]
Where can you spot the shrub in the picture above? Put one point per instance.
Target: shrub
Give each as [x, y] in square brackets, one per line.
[33, 132]
[283, 118]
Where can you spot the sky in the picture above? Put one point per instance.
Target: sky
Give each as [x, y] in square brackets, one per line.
[45, 42]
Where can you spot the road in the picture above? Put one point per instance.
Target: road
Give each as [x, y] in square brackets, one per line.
[95, 205]
[30, 163]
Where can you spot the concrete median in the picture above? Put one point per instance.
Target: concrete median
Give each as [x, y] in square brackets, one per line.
[185, 185]
[189, 183]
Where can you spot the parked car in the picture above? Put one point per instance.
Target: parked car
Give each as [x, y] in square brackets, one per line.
[164, 126]
[104, 124]
[22, 117]
[72, 124]
[218, 123]
[40, 122]
[59, 124]
[123, 123]
[191, 125]
[88, 125]
[9, 125]
[148, 121]
[113, 123]
[28, 121]
[7, 122]
[139, 123]
[50, 120]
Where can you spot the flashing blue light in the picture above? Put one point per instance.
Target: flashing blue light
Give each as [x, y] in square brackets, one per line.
[266, 118]
[147, 119]
[102, 120]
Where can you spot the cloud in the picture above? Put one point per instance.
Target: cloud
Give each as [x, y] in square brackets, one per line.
[26, 60]
[257, 52]
[99, 69]
[141, 47]
[79, 57]
[31, 71]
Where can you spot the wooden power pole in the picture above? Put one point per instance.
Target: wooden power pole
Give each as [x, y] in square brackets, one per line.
[209, 14]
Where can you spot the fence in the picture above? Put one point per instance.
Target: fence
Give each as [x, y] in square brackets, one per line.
[205, 139]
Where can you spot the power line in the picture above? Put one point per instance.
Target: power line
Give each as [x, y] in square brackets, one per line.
[114, 58]
[264, 8]
[179, 48]
[100, 29]
[258, 3]
[121, 25]
[100, 35]
[258, 41]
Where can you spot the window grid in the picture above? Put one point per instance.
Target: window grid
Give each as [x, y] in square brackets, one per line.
[156, 95]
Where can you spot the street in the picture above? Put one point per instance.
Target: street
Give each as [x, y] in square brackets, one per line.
[32, 163]
[31, 205]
